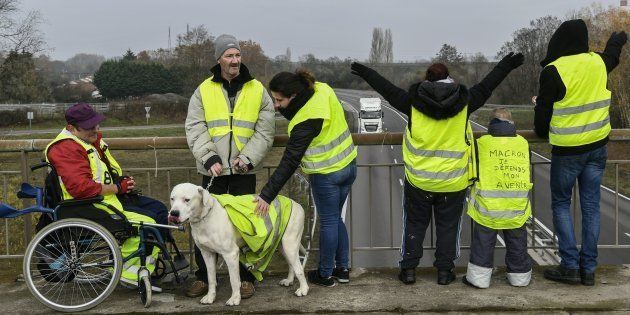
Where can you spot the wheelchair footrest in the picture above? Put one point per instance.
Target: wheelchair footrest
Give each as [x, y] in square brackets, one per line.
[7, 211]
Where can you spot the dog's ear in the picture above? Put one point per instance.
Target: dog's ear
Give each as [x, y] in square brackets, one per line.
[207, 200]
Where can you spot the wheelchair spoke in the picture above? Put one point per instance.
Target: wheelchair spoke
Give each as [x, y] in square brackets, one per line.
[72, 265]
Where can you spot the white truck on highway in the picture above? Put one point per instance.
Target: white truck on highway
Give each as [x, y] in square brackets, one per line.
[371, 115]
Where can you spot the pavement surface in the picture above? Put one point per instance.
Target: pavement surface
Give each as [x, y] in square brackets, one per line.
[372, 291]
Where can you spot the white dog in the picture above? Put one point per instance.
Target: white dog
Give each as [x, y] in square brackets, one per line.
[215, 234]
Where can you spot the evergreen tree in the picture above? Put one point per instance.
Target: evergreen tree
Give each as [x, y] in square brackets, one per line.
[19, 80]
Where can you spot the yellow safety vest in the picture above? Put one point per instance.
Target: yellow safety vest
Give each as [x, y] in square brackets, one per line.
[437, 153]
[581, 117]
[333, 149]
[262, 235]
[500, 197]
[100, 172]
[241, 121]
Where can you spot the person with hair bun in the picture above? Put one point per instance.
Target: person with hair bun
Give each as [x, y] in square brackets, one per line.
[319, 140]
[436, 150]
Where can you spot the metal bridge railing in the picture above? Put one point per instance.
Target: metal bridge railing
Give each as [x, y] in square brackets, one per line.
[26, 152]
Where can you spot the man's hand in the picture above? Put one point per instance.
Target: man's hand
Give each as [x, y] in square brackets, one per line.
[215, 170]
[240, 166]
[262, 207]
[125, 184]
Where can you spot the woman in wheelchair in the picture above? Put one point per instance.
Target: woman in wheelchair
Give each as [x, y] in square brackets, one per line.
[85, 168]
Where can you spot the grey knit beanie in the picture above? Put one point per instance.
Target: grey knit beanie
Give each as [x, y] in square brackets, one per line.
[223, 43]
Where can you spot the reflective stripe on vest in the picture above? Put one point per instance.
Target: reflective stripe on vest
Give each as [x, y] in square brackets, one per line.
[241, 121]
[262, 236]
[437, 153]
[500, 197]
[581, 116]
[580, 129]
[333, 149]
[100, 173]
[507, 214]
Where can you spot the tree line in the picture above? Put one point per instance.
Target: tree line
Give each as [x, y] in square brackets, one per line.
[180, 70]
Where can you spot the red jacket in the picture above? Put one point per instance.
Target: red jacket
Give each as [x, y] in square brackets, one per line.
[72, 165]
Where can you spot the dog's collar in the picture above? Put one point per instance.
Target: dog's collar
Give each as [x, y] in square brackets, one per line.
[202, 216]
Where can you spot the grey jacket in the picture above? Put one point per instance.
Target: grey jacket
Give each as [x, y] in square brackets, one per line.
[203, 148]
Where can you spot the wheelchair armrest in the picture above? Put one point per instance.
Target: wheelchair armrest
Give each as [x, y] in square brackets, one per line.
[80, 202]
[98, 199]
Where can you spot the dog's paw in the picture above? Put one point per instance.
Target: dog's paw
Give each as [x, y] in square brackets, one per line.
[233, 301]
[208, 299]
[286, 282]
[302, 291]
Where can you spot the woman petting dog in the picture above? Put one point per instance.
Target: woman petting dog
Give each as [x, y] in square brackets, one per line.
[319, 138]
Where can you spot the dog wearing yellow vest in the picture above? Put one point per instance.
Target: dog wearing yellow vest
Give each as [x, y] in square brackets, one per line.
[214, 233]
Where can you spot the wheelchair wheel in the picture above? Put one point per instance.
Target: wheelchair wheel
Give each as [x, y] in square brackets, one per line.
[144, 287]
[72, 265]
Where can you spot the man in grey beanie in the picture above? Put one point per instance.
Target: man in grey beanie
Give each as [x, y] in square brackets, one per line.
[229, 128]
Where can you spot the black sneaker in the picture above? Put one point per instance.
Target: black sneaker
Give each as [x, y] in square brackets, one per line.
[314, 277]
[587, 278]
[445, 277]
[564, 275]
[407, 276]
[342, 275]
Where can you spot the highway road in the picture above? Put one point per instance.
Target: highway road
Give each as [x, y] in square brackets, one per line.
[376, 199]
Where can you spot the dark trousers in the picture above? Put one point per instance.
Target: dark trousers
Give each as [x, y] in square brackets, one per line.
[418, 206]
[149, 207]
[228, 184]
[482, 248]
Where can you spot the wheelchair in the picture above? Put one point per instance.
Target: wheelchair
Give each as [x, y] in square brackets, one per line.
[74, 262]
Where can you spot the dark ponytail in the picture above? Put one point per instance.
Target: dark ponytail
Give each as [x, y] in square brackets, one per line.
[288, 84]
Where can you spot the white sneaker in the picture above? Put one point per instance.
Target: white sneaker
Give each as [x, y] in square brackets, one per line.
[131, 284]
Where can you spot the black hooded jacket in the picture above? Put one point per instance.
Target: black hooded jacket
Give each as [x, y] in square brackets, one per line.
[439, 99]
[301, 137]
[570, 38]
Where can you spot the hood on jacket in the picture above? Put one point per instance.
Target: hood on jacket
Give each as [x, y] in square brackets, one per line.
[571, 38]
[439, 100]
[501, 128]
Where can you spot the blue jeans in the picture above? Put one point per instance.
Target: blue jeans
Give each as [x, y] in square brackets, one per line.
[329, 193]
[588, 169]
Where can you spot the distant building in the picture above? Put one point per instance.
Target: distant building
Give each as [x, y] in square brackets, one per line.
[623, 3]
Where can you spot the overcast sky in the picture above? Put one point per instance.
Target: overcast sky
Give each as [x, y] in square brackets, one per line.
[325, 28]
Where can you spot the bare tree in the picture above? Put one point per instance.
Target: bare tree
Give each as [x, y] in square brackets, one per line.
[449, 55]
[382, 46]
[532, 43]
[389, 46]
[376, 50]
[19, 34]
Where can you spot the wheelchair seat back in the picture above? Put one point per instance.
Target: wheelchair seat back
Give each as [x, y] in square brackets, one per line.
[77, 208]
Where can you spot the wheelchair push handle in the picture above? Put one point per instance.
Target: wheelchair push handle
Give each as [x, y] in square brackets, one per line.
[172, 227]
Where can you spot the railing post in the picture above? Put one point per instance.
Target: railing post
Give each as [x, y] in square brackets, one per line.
[616, 203]
[533, 178]
[25, 202]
